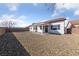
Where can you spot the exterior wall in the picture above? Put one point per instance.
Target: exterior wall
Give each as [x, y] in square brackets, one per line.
[38, 29]
[60, 31]
[31, 29]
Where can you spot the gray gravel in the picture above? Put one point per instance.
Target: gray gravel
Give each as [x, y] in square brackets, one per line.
[10, 46]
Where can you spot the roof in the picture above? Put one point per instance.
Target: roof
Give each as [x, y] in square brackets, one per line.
[55, 20]
[74, 22]
[49, 21]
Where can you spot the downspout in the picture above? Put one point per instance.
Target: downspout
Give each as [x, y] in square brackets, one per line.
[64, 26]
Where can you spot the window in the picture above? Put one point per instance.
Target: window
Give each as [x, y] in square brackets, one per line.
[55, 27]
[35, 27]
[58, 27]
[52, 27]
[40, 27]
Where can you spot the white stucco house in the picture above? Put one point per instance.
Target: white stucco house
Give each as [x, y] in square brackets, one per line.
[56, 26]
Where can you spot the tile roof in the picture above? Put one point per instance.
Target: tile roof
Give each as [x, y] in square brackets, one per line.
[55, 20]
[49, 21]
[74, 22]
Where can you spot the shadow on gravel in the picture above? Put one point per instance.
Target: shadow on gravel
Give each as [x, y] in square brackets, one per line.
[10, 46]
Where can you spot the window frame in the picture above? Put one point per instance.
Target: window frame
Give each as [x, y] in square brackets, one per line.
[55, 27]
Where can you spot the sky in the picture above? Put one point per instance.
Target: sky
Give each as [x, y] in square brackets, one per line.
[24, 14]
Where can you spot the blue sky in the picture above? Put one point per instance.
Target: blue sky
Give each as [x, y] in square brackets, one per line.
[27, 13]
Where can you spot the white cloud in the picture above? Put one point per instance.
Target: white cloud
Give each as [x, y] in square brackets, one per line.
[12, 6]
[54, 14]
[68, 18]
[63, 7]
[76, 13]
[40, 20]
[35, 4]
[20, 21]
[22, 17]
[67, 6]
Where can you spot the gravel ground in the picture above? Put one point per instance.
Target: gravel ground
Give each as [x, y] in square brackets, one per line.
[49, 44]
[35, 44]
[10, 46]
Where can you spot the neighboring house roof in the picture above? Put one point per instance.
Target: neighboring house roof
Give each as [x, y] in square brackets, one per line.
[74, 22]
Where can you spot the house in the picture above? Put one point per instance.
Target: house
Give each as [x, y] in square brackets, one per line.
[57, 26]
[74, 29]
